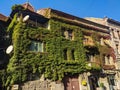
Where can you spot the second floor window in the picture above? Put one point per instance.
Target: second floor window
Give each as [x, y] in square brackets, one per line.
[65, 54]
[36, 46]
[67, 33]
[118, 34]
[73, 56]
[90, 57]
[117, 48]
[70, 35]
[85, 40]
[113, 33]
[108, 60]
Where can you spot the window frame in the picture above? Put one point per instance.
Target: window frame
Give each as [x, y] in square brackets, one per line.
[37, 46]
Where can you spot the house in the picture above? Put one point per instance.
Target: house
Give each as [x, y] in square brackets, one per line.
[54, 50]
[96, 38]
[114, 41]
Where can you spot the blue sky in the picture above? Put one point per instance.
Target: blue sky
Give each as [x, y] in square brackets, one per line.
[80, 8]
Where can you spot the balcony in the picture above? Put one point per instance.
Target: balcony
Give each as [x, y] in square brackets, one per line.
[93, 66]
[108, 67]
[89, 42]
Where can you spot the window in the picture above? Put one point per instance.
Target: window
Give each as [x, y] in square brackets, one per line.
[101, 41]
[65, 54]
[67, 33]
[85, 40]
[103, 58]
[36, 46]
[108, 59]
[111, 79]
[73, 57]
[90, 57]
[70, 34]
[118, 34]
[117, 48]
[113, 33]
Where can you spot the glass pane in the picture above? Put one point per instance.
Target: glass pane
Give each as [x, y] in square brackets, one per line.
[36, 46]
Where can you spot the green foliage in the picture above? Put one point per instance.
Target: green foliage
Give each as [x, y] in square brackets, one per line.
[3, 77]
[18, 7]
[101, 84]
[25, 63]
[12, 24]
[97, 50]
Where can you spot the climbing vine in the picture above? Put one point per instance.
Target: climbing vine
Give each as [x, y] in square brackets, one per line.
[27, 65]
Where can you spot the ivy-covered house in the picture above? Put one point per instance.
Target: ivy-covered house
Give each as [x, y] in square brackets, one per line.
[52, 45]
[43, 50]
[96, 40]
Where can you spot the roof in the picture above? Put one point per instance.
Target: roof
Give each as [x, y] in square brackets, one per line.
[52, 13]
[27, 5]
[97, 20]
[3, 18]
[104, 20]
[113, 21]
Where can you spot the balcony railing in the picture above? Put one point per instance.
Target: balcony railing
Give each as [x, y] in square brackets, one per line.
[88, 43]
[108, 67]
[94, 66]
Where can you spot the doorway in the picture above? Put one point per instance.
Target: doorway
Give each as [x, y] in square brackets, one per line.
[93, 81]
[71, 83]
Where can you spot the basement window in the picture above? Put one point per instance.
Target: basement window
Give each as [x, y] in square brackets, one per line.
[36, 46]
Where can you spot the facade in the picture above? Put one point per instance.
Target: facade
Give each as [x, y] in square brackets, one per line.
[96, 41]
[114, 43]
[62, 41]
[54, 50]
[115, 39]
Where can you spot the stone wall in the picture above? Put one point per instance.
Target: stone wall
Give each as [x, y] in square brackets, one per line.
[39, 85]
[36, 85]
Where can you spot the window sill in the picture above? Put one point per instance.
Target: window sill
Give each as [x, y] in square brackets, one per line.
[36, 52]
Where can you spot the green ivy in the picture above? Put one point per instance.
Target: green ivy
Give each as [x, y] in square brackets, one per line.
[98, 50]
[25, 65]
[17, 6]
[51, 63]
